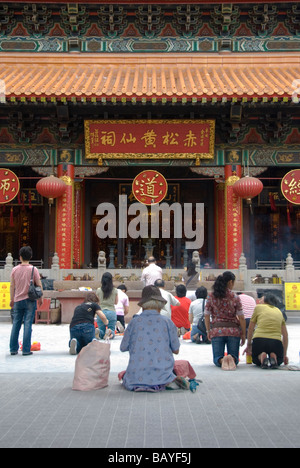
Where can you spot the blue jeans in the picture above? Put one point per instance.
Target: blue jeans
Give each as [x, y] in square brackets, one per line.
[218, 347]
[112, 320]
[195, 330]
[84, 334]
[23, 311]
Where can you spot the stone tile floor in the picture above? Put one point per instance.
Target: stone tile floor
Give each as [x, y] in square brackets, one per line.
[249, 407]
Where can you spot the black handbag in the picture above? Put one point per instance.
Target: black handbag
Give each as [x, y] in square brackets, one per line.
[34, 292]
[201, 323]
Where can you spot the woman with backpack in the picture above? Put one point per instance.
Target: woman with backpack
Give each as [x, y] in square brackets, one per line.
[196, 316]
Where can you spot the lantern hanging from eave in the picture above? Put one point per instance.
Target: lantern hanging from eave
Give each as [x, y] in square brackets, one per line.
[248, 187]
[51, 187]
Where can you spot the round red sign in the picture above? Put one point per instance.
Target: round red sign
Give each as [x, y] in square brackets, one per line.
[149, 187]
[290, 186]
[9, 186]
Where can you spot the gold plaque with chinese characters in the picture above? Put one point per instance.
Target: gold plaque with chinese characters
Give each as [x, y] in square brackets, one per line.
[149, 139]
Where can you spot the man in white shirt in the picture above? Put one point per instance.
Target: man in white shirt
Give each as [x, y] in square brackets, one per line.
[151, 273]
[171, 300]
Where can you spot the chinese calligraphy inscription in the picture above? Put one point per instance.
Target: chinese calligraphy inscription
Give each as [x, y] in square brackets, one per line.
[149, 139]
[149, 187]
[9, 186]
[290, 186]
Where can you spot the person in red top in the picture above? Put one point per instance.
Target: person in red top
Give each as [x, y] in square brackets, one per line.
[180, 313]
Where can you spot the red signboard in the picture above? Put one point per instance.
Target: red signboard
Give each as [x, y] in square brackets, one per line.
[9, 186]
[290, 186]
[149, 187]
[149, 139]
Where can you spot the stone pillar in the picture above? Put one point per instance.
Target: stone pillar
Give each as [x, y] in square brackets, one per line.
[8, 267]
[55, 267]
[290, 269]
[243, 269]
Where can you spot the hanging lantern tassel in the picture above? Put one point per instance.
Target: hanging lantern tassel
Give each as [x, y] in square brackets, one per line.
[272, 202]
[23, 204]
[11, 218]
[288, 212]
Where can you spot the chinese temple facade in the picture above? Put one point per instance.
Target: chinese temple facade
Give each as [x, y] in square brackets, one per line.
[86, 89]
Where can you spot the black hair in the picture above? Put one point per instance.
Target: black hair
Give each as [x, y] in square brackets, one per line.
[271, 299]
[107, 285]
[220, 285]
[180, 290]
[26, 253]
[159, 283]
[122, 287]
[201, 292]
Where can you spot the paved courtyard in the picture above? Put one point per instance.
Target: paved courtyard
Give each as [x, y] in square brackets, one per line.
[249, 407]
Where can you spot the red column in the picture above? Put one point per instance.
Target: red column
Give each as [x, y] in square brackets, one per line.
[229, 221]
[64, 218]
[78, 224]
[234, 218]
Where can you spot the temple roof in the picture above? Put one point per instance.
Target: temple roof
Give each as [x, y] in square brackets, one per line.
[148, 77]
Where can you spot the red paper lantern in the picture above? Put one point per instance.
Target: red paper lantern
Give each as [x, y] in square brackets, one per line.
[248, 187]
[51, 187]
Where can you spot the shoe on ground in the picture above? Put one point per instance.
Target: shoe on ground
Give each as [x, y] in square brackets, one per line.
[119, 327]
[73, 346]
[108, 334]
[172, 386]
[182, 383]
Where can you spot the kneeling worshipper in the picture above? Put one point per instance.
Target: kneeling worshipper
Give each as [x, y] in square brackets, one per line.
[152, 341]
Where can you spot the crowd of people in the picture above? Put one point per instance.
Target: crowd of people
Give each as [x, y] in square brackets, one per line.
[222, 318]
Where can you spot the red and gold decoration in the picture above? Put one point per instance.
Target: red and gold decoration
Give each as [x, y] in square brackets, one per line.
[51, 187]
[149, 139]
[9, 186]
[290, 186]
[229, 220]
[78, 223]
[65, 218]
[4, 295]
[149, 187]
[248, 187]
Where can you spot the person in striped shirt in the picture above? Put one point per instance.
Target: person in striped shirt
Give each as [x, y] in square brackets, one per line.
[248, 304]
